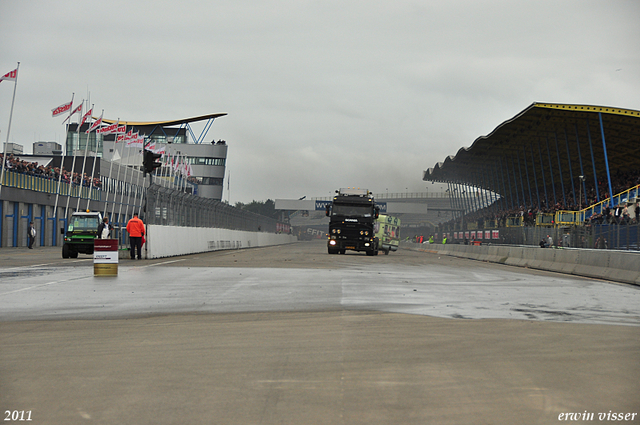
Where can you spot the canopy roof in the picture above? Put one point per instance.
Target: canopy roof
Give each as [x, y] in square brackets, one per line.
[165, 123]
[547, 141]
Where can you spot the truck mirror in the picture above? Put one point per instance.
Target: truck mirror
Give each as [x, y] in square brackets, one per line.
[62, 230]
[377, 212]
[328, 210]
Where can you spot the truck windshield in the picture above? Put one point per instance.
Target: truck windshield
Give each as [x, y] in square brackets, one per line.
[83, 223]
[351, 210]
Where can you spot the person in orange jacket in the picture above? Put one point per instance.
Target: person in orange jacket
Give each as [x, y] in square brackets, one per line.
[136, 230]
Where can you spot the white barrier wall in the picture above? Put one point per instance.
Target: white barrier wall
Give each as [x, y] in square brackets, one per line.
[169, 241]
[619, 266]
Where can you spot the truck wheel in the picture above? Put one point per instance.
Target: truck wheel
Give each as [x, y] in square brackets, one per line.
[73, 254]
[371, 253]
[386, 251]
[65, 251]
[332, 251]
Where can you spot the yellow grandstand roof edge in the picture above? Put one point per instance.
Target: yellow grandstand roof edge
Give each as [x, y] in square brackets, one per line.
[589, 108]
[170, 122]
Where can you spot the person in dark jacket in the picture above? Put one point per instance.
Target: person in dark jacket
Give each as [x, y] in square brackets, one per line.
[104, 229]
[31, 234]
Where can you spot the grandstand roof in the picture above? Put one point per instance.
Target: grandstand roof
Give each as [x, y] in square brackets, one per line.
[546, 137]
[165, 123]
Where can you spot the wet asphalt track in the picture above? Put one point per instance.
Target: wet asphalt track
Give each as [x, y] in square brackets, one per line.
[292, 335]
[399, 283]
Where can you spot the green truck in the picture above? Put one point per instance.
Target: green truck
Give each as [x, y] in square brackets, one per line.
[387, 232]
[80, 233]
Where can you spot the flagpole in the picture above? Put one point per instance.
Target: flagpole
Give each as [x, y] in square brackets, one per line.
[84, 161]
[124, 186]
[115, 150]
[73, 163]
[4, 156]
[135, 199]
[93, 169]
[55, 208]
[124, 146]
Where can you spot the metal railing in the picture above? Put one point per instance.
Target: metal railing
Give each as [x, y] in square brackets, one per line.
[169, 207]
[49, 185]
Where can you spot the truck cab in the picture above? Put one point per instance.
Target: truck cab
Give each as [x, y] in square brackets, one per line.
[351, 226]
[82, 229]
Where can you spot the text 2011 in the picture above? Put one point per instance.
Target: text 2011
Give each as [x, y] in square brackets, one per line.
[17, 415]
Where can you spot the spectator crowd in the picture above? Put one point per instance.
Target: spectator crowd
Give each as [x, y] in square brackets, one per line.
[17, 165]
[612, 214]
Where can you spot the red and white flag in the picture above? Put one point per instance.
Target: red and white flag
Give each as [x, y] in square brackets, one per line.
[65, 107]
[75, 111]
[10, 76]
[95, 125]
[110, 129]
[86, 116]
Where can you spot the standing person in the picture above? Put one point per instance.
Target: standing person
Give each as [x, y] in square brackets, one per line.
[31, 234]
[104, 229]
[135, 229]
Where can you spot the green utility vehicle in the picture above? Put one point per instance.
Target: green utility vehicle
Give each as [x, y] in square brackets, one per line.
[81, 231]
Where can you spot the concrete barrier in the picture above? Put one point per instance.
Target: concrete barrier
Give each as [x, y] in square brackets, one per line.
[169, 241]
[619, 266]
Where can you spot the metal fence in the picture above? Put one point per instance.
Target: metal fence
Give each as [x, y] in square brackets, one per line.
[169, 207]
[603, 236]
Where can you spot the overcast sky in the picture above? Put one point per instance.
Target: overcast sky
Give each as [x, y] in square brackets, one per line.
[320, 94]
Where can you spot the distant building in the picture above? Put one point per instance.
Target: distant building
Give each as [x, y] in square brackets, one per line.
[12, 148]
[208, 160]
[47, 148]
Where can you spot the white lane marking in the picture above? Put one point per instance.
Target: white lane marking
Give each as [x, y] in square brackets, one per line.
[41, 265]
[159, 264]
[43, 284]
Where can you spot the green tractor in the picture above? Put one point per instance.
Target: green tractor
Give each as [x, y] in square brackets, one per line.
[81, 231]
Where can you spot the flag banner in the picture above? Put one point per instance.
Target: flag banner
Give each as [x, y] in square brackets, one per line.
[85, 117]
[75, 111]
[120, 138]
[121, 129]
[10, 76]
[110, 129]
[95, 125]
[65, 107]
[136, 141]
[151, 146]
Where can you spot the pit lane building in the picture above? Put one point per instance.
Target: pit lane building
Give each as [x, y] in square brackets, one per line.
[208, 159]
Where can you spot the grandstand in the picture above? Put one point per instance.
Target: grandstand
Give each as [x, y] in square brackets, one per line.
[553, 168]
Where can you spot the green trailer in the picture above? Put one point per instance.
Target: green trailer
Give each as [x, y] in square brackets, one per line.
[387, 232]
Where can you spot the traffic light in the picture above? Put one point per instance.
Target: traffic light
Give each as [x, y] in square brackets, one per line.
[151, 161]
